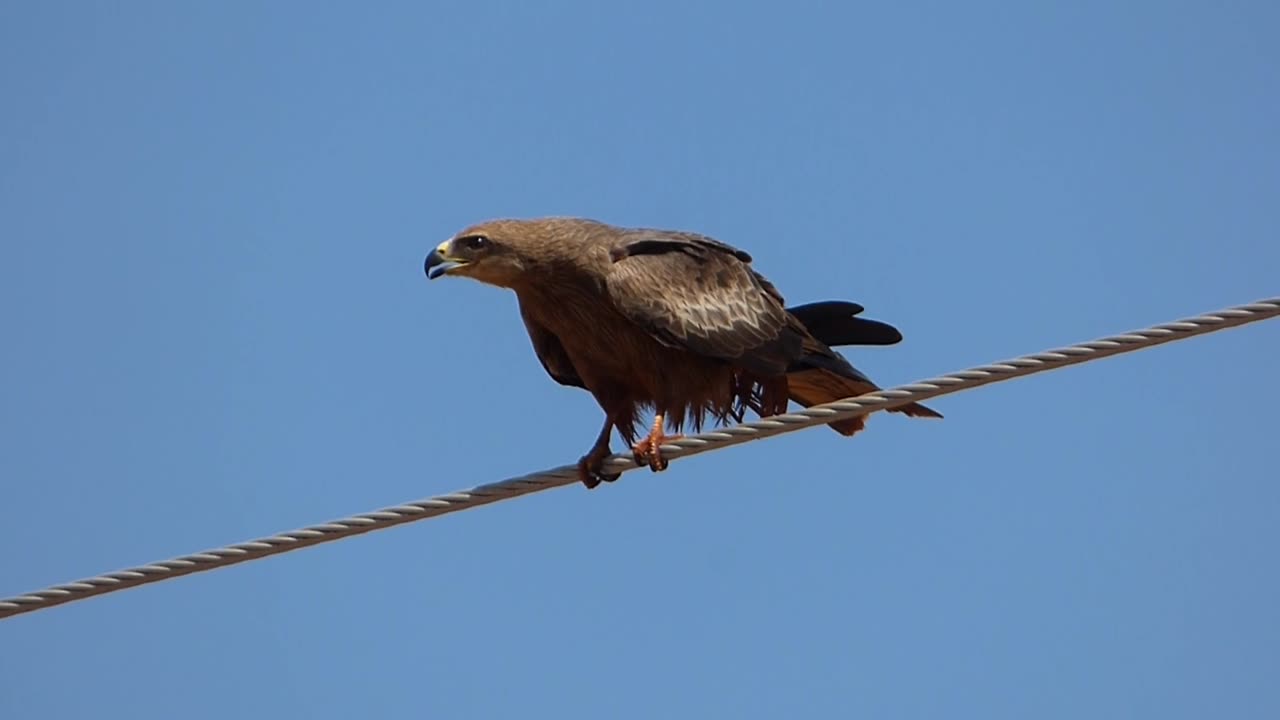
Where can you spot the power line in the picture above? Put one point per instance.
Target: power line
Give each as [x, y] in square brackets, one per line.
[692, 445]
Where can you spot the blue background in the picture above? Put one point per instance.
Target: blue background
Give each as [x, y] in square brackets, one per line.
[213, 219]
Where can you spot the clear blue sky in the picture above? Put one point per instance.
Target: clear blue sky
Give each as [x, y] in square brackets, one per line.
[216, 326]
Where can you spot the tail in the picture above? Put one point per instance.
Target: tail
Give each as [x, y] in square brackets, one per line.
[835, 322]
[822, 375]
[816, 385]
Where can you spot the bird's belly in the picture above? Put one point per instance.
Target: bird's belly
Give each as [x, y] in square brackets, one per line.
[621, 363]
[649, 373]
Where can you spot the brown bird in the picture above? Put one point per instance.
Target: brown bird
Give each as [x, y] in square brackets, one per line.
[673, 322]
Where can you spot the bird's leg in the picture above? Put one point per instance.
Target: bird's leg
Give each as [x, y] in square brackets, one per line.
[591, 465]
[649, 450]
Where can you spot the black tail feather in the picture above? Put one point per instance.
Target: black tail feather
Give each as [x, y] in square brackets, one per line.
[834, 323]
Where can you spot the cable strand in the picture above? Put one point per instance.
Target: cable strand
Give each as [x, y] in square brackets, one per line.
[692, 445]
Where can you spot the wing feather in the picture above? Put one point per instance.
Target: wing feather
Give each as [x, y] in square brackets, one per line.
[699, 294]
[550, 352]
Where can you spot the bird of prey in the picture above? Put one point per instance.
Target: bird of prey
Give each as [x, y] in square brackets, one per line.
[673, 322]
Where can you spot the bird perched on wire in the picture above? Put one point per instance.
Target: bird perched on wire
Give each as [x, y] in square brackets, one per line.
[673, 322]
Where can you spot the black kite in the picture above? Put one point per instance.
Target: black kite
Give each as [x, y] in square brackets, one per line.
[674, 322]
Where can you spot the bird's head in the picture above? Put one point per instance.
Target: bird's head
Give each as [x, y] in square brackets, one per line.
[508, 252]
[491, 253]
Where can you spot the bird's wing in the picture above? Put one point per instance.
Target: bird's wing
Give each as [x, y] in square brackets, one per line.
[699, 294]
[551, 353]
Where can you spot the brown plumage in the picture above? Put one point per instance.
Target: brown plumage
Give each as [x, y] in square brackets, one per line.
[673, 322]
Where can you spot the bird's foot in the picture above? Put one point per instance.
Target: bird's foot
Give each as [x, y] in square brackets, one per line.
[649, 450]
[591, 469]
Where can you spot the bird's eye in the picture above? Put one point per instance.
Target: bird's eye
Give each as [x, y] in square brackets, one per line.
[475, 242]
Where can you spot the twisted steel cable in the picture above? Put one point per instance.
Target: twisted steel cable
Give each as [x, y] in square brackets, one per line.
[692, 445]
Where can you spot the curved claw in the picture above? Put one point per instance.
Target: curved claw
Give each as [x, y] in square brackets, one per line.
[591, 470]
[648, 452]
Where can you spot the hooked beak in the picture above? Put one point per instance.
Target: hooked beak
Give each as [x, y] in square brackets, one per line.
[439, 262]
